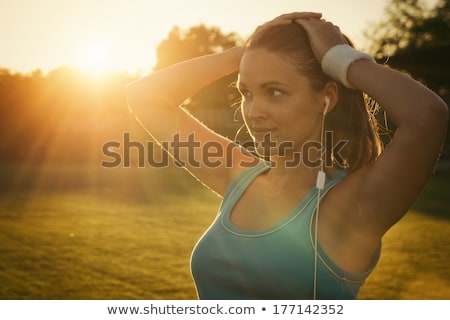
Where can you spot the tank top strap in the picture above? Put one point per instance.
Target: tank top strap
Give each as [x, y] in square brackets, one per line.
[331, 181]
[243, 180]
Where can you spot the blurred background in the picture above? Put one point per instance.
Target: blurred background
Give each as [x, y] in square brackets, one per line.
[71, 228]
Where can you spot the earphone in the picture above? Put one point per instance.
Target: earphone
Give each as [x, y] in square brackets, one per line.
[327, 103]
[320, 185]
[320, 182]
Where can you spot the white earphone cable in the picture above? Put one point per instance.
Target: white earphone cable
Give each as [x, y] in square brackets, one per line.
[320, 184]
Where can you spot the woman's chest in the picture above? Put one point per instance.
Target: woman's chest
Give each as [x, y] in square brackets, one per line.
[258, 210]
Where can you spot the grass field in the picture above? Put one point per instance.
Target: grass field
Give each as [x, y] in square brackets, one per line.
[92, 233]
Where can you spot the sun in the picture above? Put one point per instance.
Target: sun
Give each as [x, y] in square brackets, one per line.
[96, 58]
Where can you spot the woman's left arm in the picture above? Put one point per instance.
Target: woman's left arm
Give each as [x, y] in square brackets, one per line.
[384, 190]
[389, 186]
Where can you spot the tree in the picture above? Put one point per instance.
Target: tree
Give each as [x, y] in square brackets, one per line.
[415, 39]
[64, 116]
[196, 41]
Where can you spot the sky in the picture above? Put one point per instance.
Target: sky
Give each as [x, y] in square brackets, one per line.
[123, 34]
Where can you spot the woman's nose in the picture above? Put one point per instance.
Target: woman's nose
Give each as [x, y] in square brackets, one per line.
[255, 110]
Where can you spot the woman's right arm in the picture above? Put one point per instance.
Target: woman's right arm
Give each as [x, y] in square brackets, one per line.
[156, 99]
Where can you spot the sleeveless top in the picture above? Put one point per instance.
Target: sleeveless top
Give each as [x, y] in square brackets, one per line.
[276, 263]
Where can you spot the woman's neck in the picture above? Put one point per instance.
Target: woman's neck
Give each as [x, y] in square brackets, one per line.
[287, 173]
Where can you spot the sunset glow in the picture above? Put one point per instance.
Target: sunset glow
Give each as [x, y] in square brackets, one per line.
[123, 35]
[96, 58]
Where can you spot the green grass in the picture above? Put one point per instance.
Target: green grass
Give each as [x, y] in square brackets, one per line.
[91, 233]
[415, 261]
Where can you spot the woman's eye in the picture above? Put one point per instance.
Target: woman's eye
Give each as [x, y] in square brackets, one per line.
[275, 92]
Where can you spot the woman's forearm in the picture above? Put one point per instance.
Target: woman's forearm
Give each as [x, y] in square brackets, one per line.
[174, 84]
[407, 102]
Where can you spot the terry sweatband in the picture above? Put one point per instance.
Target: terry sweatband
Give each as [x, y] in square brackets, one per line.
[336, 61]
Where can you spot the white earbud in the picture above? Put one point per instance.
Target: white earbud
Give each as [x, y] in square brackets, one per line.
[327, 103]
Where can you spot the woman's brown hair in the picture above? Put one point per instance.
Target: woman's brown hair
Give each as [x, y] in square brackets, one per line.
[351, 120]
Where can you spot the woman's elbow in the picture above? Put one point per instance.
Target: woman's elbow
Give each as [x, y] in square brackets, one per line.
[439, 113]
[430, 122]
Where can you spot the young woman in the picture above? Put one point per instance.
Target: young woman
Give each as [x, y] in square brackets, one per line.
[305, 220]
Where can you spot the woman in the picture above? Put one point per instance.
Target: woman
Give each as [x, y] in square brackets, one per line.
[307, 221]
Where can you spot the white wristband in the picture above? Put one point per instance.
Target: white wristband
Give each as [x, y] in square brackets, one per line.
[336, 61]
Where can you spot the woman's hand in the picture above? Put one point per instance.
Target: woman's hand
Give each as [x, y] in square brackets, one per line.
[322, 34]
[288, 18]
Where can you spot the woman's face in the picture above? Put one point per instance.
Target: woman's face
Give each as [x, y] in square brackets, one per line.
[281, 110]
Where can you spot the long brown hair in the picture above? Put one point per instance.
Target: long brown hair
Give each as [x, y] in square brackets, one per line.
[351, 120]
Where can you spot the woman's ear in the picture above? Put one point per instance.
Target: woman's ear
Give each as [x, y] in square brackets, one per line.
[331, 95]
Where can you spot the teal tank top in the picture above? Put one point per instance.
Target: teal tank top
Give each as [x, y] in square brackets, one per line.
[277, 263]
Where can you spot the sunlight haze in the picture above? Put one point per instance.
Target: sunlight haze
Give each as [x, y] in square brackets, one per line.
[123, 34]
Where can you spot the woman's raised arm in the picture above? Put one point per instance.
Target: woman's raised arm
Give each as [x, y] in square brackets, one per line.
[385, 189]
[156, 99]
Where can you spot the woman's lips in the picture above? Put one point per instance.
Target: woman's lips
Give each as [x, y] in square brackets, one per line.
[260, 133]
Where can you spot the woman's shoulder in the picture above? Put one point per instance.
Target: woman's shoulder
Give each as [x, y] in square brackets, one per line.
[246, 174]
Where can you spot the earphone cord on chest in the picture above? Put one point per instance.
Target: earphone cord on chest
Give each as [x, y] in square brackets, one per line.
[320, 184]
[316, 222]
